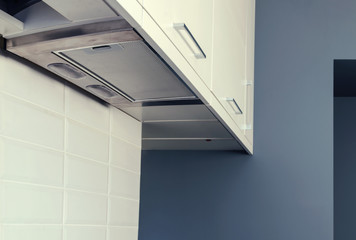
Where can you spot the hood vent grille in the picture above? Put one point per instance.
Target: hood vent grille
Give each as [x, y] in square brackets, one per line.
[130, 68]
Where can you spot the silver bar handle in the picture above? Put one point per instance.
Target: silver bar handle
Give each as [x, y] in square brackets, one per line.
[229, 99]
[182, 26]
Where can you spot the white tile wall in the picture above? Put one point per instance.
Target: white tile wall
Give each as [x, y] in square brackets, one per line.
[124, 128]
[85, 208]
[87, 142]
[127, 233]
[85, 233]
[123, 212]
[89, 111]
[125, 155]
[16, 80]
[25, 162]
[69, 165]
[25, 203]
[83, 174]
[38, 232]
[124, 183]
[25, 121]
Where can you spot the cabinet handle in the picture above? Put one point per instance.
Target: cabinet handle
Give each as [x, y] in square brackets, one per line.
[182, 26]
[234, 101]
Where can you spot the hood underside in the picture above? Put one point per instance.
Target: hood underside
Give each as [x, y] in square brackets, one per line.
[112, 61]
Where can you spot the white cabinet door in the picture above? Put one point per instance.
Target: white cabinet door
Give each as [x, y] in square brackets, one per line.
[188, 24]
[250, 69]
[230, 50]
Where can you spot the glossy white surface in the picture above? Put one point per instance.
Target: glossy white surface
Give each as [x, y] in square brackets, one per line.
[55, 145]
[23, 203]
[83, 174]
[125, 155]
[127, 233]
[87, 233]
[123, 127]
[87, 142]
[81, 10]
[124, 183]
[26, 121]
[85, 208]
[89, 111]
[28, 163]
[38, 232]
[198, 17]
[27, 88]
[229, 65]
[123, 212]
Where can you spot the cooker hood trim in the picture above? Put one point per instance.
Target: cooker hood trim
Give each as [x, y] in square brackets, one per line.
[148, 77]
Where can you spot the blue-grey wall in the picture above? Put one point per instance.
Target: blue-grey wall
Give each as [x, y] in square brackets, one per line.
[345, 168]
[284, 191]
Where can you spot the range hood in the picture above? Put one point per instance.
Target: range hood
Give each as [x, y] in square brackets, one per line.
[109, 59]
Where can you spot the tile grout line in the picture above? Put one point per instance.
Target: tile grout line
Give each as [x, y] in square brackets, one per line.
[67, 189]
[108, 177]
[70, 225]
[28, 102]
[59, 114]
[43, 147]
[64, 205]
[31, 143]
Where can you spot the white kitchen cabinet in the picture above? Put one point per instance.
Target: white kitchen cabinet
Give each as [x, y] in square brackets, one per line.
[189, 25]
[250, 63]
[224, 29]
[230, 68]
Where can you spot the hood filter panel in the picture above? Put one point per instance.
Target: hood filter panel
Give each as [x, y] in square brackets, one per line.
[130, 68]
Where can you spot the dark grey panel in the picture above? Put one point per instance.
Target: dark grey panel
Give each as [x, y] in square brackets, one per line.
[190, 129]
[187, 144]
[345, 78]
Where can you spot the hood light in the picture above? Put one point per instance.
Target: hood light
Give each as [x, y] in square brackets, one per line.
[101, 91]
[66, 70]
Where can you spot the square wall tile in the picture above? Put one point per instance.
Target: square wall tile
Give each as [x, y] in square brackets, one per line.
[124, 183]
[125, 155]
[123, 212]
[34, 232]
[84, 233]
[21, 203]
[87, 175]
[127, 233]
[28, 163]
[87, 110]
[32, 85]
[125, 127]
[85, 208]
[27, 122]
[87, 142]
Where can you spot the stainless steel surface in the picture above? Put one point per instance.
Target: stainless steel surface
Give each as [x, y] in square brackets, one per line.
[235, 103]
[167, 113]
[130, 68]
[183, 26]
[111, 54]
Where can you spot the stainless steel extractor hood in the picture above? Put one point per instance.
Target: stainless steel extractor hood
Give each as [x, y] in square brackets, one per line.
[108, 59]
[113, 62]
